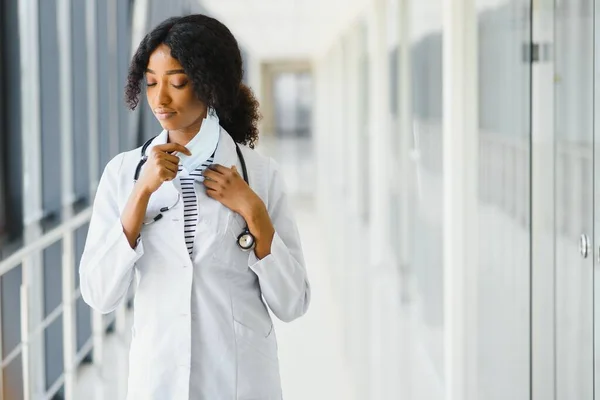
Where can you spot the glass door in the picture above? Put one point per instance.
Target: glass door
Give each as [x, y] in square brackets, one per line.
[574, 198]
[596, 247]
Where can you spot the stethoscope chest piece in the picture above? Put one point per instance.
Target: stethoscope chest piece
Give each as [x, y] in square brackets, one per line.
[246, 240]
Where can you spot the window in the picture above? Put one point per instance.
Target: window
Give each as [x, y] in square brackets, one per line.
[293, 103]
[11, 217]
[50, 113]
[11, 209]
[3, 152]
[81, 170]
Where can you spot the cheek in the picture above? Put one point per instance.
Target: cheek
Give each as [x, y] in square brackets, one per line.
[190, 104]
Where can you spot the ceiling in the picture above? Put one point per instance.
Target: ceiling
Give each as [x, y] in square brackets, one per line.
[285, 29]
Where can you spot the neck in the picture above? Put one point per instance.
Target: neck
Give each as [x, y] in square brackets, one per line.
[183, 136]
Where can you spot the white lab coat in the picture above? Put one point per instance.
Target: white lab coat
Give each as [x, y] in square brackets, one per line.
[237, 338]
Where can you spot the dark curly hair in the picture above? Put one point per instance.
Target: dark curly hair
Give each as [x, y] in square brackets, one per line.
[211, 58]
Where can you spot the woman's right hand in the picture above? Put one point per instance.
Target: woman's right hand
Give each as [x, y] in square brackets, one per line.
[161, 166]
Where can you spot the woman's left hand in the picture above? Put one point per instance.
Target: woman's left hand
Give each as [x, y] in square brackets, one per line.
[230, 189]
[227, 187]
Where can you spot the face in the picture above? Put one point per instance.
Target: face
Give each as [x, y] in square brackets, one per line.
[171, 95]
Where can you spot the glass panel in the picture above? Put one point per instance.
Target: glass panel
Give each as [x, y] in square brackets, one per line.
[60, 394]
[292, 98]
[123, 48]
[574, 37]
[54, 351]
[52, 277]
[53, 340]
[363, 120]
[10, 295]
[12, 158]
[103, 83]
[84, 323]
[83, 312]
[426, 197]
[50, 110]
[3, 143]
[80, 101]
[394, 76]
[395, 198]
[597, 203]
[80, 237]
[12, 377]
[503, 287]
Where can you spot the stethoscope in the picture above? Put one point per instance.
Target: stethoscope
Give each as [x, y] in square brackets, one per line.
[245, 240]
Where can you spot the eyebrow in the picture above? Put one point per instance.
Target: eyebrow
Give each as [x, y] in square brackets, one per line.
[171, 72]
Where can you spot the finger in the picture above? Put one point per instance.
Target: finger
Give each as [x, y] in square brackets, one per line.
[169, 166]
[172, 147]
[167, 157]
[214, 194]
[211, 185]
[220, 169]
[235, 171]
[213, 175]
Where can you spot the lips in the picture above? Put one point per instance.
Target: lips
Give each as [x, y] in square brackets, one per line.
[164, 114]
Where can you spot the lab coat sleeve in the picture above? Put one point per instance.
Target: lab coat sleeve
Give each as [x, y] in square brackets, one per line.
[282, 274]
[106, 267]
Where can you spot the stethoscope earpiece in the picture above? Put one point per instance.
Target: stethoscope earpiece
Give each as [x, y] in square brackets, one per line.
[159, 216]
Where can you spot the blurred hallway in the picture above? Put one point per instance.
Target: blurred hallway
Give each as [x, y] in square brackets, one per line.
[443, 160]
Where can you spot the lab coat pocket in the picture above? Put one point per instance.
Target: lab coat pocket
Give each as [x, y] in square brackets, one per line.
[257, 365]
[258, 342]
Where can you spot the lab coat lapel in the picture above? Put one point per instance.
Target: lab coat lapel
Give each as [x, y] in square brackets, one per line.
[225, 153]
[210, 210]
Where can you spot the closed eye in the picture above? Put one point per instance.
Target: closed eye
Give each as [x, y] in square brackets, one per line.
[180, 86]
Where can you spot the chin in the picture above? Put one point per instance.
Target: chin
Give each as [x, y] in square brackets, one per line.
[169, 125]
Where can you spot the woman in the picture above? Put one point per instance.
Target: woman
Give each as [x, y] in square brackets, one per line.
[201, 327]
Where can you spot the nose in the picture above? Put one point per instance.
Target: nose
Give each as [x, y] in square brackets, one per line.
[162, 94]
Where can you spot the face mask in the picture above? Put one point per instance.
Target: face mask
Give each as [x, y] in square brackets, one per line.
[203, 145]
